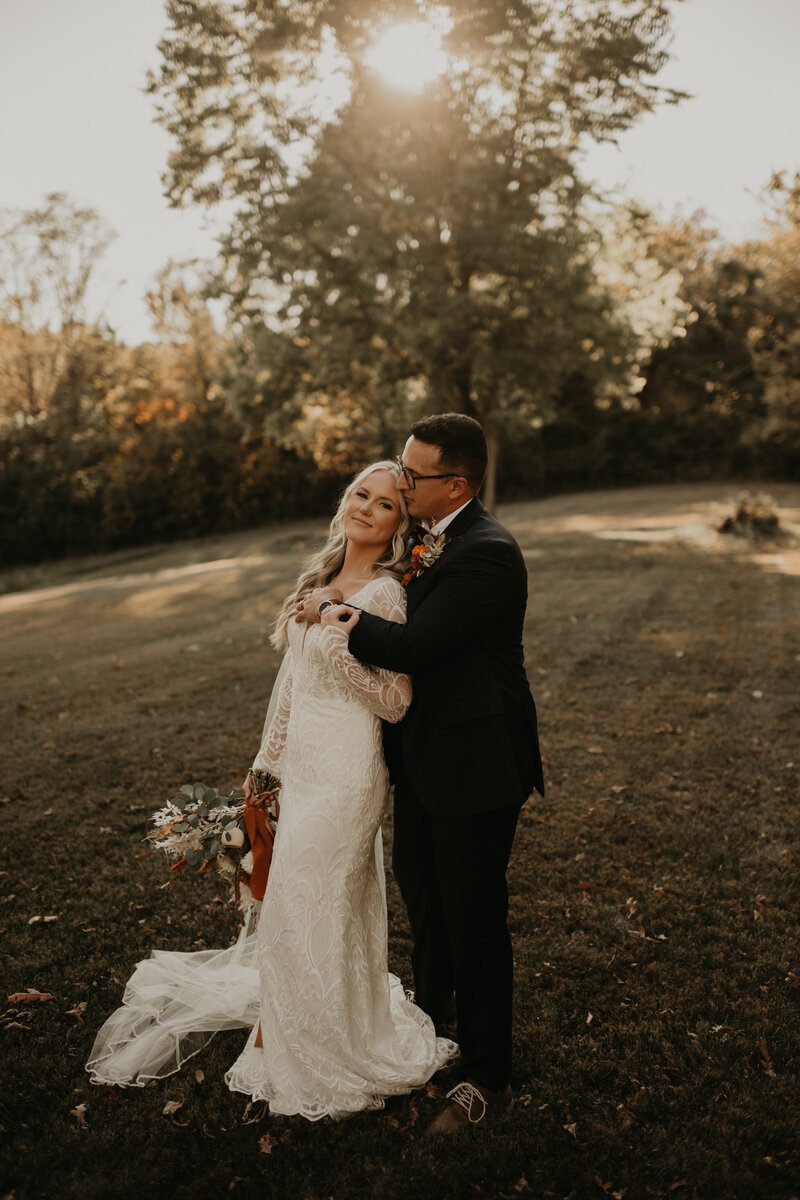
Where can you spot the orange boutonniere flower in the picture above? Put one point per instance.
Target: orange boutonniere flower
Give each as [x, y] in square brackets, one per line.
[424, 555]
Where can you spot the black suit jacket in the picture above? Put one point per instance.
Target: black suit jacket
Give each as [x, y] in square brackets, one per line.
[469, 741]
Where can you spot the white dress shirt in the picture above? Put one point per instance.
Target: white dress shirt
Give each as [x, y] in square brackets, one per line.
[440, 526]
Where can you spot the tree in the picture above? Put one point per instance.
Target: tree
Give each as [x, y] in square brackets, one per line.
[774, 336]
[710, 366]
[47, 258]
[182, 320]
[431, 250]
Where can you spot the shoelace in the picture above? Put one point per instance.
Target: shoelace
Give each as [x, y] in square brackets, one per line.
[463, 1094]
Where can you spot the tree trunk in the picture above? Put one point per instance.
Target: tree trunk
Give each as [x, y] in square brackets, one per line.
[456, 391]
[489, 489]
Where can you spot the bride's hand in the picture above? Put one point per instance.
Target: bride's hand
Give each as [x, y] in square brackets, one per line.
[307, 609]
[247, 787]
[342, 616]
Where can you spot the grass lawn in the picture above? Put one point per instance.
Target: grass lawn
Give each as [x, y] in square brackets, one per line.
[654, 893]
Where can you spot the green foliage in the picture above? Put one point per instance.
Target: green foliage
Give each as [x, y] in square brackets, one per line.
[422, 251]
[735, 368]
[122, 458]
[774, 337]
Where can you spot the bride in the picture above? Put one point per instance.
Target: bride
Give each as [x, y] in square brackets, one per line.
[333, 1032]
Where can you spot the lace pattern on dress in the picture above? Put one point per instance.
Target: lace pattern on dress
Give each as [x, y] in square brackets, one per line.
[387, 694]
[270, 756]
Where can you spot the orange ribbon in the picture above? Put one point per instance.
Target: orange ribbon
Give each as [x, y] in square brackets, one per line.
[262, 838]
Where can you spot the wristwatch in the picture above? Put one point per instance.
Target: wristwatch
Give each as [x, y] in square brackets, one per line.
[325, 604]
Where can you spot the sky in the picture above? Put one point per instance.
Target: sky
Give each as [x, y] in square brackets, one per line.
[74, 118]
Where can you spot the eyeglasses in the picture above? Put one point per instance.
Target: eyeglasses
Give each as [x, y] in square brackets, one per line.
[413, 479]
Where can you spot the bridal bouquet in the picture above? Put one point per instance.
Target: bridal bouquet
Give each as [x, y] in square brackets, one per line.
[200, 827]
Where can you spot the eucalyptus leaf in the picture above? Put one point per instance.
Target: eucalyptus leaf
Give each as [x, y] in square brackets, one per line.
[211, 849]
[193, 820]
[187, 790]
[192, 858]
[181, 827]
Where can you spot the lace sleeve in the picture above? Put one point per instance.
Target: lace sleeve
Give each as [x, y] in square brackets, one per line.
[269, 757]
[385, 693]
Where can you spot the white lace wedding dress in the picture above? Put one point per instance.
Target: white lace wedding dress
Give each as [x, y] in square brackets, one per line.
[338, 1032]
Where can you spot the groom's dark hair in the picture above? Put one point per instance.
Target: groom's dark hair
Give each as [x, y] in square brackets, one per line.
[460, 441]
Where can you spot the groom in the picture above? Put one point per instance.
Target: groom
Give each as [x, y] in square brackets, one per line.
[466, 756]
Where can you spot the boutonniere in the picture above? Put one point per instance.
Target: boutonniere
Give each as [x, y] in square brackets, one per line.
[424, 555]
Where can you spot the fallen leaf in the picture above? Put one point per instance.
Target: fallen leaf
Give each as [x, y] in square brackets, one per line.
[792, 979]
[433, 1091]
[78, 1010]
[171, 1107]
[594, 750]
[267, 1143]
[616, 788]
[413, 1113]
[79, 1114]
[247, 1119]
[522, 1185]
[589, 1018]
[199, 1076]
[766, 1058]
[573, 1129]
[28, 997]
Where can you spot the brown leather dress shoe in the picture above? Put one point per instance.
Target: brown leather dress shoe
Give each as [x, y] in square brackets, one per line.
[470, 1104]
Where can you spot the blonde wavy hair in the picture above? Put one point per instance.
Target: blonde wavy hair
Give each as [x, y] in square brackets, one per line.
[327, 562]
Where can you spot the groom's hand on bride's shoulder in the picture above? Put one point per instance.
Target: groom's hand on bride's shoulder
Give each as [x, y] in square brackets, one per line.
[341, 615]
[308, 611]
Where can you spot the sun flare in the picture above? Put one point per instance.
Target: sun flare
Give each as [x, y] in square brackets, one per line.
[408, 56]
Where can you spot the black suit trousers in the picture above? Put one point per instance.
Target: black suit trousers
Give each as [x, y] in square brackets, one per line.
[452, 875]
